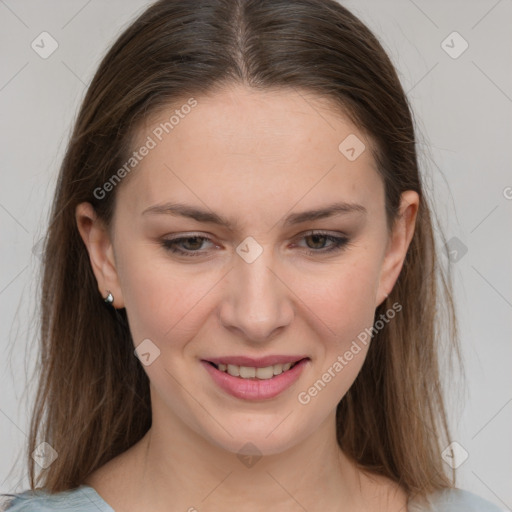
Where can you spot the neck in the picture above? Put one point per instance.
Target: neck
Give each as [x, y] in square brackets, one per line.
[174, 468]
[180, 467]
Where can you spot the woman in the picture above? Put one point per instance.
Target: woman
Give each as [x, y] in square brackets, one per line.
[240, 308]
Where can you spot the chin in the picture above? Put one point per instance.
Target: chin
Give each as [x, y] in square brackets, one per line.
[260, 439]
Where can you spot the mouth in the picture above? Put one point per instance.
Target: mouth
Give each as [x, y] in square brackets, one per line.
[256, 372]
[255, 379]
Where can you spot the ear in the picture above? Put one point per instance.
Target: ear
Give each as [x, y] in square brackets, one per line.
[101, 253]
[398, 243]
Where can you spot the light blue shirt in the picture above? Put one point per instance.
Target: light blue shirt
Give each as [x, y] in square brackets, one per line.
[86, 499]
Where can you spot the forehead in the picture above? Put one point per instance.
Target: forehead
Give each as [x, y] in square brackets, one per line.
[252, 149]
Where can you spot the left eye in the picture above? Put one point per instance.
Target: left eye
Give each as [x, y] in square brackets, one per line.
[337, 242]
[191, 245]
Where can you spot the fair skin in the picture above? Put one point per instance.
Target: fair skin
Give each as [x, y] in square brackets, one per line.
[255, 158]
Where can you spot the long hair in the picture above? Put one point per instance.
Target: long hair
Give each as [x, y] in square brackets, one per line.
[93, 399]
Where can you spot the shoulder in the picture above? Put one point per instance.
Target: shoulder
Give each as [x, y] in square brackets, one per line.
[453, 500]
[81, 499]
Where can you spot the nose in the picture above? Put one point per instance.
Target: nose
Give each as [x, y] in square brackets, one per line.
[257, 303]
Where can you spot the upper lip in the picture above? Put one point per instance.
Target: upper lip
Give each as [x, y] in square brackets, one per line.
[256, 362]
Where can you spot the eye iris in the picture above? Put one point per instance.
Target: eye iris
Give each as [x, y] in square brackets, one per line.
[195, 246]
[315, 238]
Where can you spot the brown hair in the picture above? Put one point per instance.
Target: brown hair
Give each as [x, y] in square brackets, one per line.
[93, 398]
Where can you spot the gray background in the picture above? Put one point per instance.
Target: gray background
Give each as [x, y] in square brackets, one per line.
[463, 110]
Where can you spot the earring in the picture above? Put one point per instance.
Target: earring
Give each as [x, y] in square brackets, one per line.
[110, 298]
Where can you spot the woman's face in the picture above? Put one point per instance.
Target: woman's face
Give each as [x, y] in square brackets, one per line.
[267, 284]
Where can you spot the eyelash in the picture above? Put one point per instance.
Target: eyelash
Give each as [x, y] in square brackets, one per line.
[339, 243]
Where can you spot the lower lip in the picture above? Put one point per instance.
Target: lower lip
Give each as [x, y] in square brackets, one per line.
[255, 389]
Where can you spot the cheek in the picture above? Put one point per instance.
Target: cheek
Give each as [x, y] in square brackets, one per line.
[344, 304]
[342, 296]
[155, 295]
[166, 302]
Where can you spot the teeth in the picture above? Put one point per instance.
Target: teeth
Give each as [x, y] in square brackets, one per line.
[249, 372]
[278, 368]
[234, 370]
[265, 373]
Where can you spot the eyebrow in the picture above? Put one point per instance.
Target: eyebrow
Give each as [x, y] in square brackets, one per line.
[192, 212]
